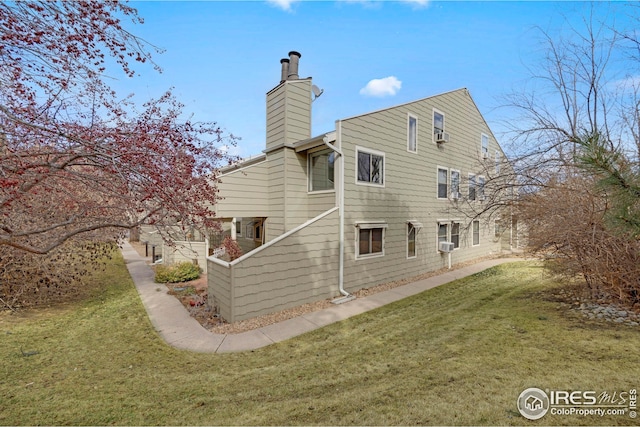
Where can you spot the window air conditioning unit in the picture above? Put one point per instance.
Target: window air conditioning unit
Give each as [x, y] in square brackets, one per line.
[446, 247]
[455, 195]
[442, 137]
[485, 156]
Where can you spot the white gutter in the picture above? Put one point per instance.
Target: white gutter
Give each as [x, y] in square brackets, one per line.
[340, 207]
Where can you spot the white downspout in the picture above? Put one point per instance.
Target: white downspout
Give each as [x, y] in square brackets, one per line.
[340, 207]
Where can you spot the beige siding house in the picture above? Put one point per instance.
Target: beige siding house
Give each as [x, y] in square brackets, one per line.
[386, 195]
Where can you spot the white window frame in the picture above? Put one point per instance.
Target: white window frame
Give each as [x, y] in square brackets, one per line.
[480, 188]
[370, 225]
[414, 226]
[410, 135]
[309, 169]
[446, 195]
[451, 234]
[449, 225]
[446, 224]
[433, 124]
[451, 172]
[484, 145]
[384, 166]
[258, 230]
[473, 233]
[249, 230]
[472, 184]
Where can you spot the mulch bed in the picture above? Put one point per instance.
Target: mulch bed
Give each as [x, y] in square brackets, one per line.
[193, 296]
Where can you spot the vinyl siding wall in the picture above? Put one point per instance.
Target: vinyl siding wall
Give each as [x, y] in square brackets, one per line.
[301, 267]
[275, 224]
[186, 252]
[245, 192]
[295, 194]
[277, 189]
[410, 187]
[289, 112]
[149, 235]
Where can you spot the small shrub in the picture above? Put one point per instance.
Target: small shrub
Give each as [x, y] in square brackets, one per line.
[233, 249]
[181, 272]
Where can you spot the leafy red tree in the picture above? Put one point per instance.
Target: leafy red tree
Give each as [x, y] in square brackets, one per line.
[75, 159]
[232, 248]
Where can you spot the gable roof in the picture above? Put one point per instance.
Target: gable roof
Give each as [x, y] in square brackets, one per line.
[462, 89]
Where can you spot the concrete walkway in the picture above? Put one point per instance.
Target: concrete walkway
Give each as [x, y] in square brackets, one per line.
[176, 326]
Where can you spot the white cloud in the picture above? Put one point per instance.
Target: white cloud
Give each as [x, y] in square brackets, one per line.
[629, 82]
[282, 4]
[387, 86]
[417, 3]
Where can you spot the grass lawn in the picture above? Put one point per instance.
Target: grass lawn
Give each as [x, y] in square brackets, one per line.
[457, 354]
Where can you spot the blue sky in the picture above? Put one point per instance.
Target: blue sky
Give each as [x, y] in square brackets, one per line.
[222, 57]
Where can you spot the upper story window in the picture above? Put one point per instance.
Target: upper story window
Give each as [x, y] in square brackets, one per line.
[472, 186]
[497, 162]
[438, 122]
[439, 134]
[443, 178]
[484, 146]
[321, 170]
[455, 184]
[370, 167]
[480, 190]
[412, 133]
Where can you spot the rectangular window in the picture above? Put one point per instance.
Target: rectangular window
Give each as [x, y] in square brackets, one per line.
[438, 122]
[412, 134]
[476, 233]
[484, 146]
[455, 234]
[455, 184]
[497, 162]
[443, 232]
[443, 178]
[321, 170]
[496, 228]
[239, 228]
[411, 241]
[257, 231]
[249, 231]
[480, 188]
[472, 186]
[370, 241]
[370, 167]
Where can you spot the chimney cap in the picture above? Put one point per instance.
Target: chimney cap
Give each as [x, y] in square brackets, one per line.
[283, 60]
[293, 52]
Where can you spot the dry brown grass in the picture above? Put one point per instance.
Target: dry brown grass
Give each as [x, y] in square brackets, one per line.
[457, 354]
